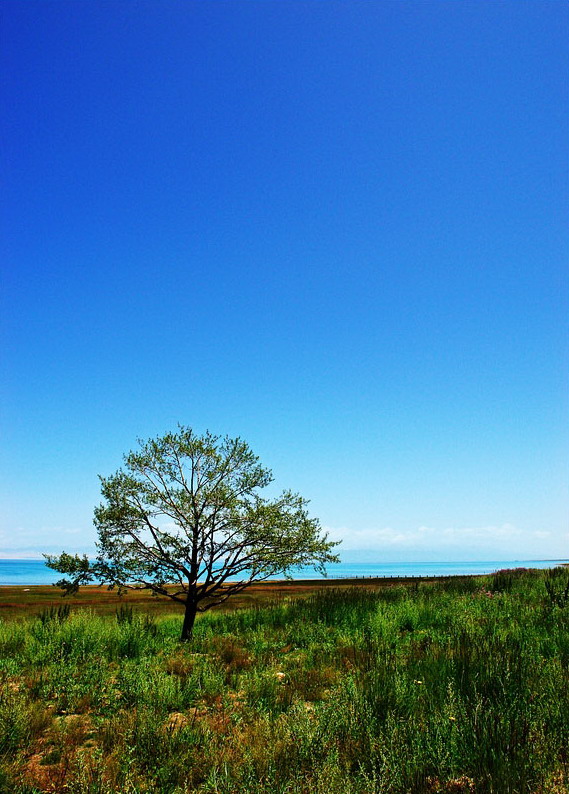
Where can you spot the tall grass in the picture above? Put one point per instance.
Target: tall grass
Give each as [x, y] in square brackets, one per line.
[458, 686]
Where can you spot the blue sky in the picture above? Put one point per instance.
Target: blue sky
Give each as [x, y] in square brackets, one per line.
[336, 229]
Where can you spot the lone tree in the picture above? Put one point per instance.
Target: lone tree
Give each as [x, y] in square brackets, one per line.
[184, 519]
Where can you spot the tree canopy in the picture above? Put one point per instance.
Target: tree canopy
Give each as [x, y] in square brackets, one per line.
[185, 519]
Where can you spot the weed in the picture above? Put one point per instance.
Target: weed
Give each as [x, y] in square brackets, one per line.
[556, 582]
[433, 689]
[54, 614]
[124, 614]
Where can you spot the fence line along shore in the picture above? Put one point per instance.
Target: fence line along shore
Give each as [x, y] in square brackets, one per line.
[21, 601]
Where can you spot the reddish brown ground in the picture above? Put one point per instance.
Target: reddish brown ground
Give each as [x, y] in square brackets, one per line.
[20, 601]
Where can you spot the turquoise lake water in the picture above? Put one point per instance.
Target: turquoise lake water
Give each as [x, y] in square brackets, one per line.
[35, 572]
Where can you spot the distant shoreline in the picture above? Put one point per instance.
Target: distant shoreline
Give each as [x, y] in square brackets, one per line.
[23, 601]
[27, 573]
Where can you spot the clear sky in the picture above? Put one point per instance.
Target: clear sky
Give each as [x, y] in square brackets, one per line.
[336, 229]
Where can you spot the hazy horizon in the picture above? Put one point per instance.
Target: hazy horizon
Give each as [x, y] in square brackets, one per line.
[363, 563]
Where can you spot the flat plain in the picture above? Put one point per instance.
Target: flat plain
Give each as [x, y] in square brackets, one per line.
[456, 685]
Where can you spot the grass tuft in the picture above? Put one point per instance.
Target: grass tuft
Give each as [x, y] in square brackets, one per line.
[450, 687]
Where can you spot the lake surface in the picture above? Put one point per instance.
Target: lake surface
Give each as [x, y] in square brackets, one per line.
[35, 572]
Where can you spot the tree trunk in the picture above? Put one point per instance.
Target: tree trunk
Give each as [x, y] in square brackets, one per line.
[189, 619]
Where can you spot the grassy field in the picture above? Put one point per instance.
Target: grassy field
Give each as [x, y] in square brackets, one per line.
[22, 602]
[452, 686]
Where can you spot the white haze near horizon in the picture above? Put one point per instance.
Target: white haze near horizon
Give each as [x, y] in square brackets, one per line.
[387, 544]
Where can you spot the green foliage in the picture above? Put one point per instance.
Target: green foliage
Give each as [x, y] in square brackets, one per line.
[186, 511]
[424, 690]
[556, 584]
[54, 614]
[124, 614]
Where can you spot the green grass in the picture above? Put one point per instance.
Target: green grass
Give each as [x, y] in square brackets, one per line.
[456, 686]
